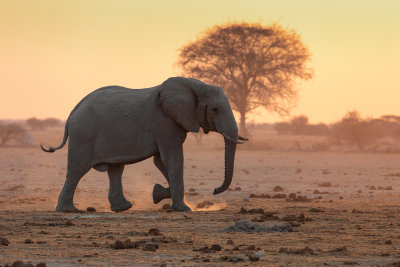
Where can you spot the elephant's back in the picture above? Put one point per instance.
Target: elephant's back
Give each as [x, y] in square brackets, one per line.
[114, 102]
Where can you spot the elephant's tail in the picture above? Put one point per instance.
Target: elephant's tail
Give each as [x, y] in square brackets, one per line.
[52, 149]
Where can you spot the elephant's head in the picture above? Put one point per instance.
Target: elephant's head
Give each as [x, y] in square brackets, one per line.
[194, 104]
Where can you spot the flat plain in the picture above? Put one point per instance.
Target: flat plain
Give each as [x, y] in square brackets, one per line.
[343, 208]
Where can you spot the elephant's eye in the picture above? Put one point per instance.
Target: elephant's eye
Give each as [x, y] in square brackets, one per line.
[215, 110]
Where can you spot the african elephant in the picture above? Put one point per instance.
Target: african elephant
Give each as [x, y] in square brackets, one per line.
[114, 126]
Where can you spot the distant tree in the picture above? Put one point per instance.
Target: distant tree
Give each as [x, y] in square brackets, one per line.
[37, 124]
[299, 126]
[355, 130]
[9, 132]
[256, 65]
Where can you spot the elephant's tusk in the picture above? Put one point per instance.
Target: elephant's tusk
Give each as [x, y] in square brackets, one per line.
[243, 138]
[227, 137]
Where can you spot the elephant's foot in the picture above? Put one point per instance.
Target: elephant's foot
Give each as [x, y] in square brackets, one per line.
[180, 207]
[66, 207]
[119, 205]
[160, 193]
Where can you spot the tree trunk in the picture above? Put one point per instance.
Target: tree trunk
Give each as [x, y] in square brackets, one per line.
[242, 127]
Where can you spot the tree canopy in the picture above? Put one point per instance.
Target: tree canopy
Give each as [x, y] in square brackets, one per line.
[256, 65]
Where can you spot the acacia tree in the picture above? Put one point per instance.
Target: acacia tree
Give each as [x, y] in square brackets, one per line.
[256, 65]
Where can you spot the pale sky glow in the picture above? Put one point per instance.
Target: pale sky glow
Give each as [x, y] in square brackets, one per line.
[53, 53]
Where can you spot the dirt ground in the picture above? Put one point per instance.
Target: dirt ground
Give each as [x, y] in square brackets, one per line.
[345, 210]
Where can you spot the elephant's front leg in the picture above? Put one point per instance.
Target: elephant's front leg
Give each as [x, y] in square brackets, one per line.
[159, 191]
[172, 159]
[115, 194]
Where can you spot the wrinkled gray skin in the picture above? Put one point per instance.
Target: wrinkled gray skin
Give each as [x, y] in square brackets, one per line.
[114, 126]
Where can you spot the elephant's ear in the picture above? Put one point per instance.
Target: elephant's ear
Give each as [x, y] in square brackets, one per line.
[179, 102]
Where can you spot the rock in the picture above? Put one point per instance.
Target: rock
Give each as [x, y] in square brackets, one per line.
[118, 244]
[253, 257]
[245, 199]
[316, 210]
[229, 242]
[251, 247]
[236, 259]
[388, 242]
[252, 227]
[206, 260]
[278, 188]
[163, 265]
[28, 241]
[339, 249]
[91, 209]
[224, 258]
[305, 250]
[251, 211]
[18, 264]
[259, 253]
[4, 241]
[150, 246]
[166, 206]
[124, 245]
[154, 231]
[41, 264]
[216, 247]
[259, 196]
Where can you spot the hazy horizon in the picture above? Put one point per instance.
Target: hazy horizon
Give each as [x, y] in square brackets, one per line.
[55, 53]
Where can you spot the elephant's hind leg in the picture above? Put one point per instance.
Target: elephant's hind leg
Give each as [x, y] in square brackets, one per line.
[115, 194]
[159, 191]
[66, 197]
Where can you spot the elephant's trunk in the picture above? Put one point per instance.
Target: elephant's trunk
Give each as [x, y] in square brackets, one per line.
[230, 149]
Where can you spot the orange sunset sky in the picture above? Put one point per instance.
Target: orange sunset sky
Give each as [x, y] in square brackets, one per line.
[53, 53]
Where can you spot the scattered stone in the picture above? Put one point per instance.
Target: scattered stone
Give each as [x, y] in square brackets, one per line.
[259, 253]
[305, 250]
[206, 249]
[154, 231]
[260, 196]
[150, 246]
[125, 245]
[206, 260]
[91, 209]
[251, 247]
[236, 259]
[253, 257]
[385, 188]
[4, 241]
[229, 242]
[326, 171]
[278, 188]
[166, 206]
[280, 196]
[224, 258]
[339, 249]
[251, 211]
[298, 198]
[41, 264]
[252, 227]
[28, 241]
[316, 210]
[325, 184]
[163, 265]
[388, 242]
[320, 192]
[41, 242]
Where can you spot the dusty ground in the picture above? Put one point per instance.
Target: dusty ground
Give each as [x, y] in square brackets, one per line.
[350, 217]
